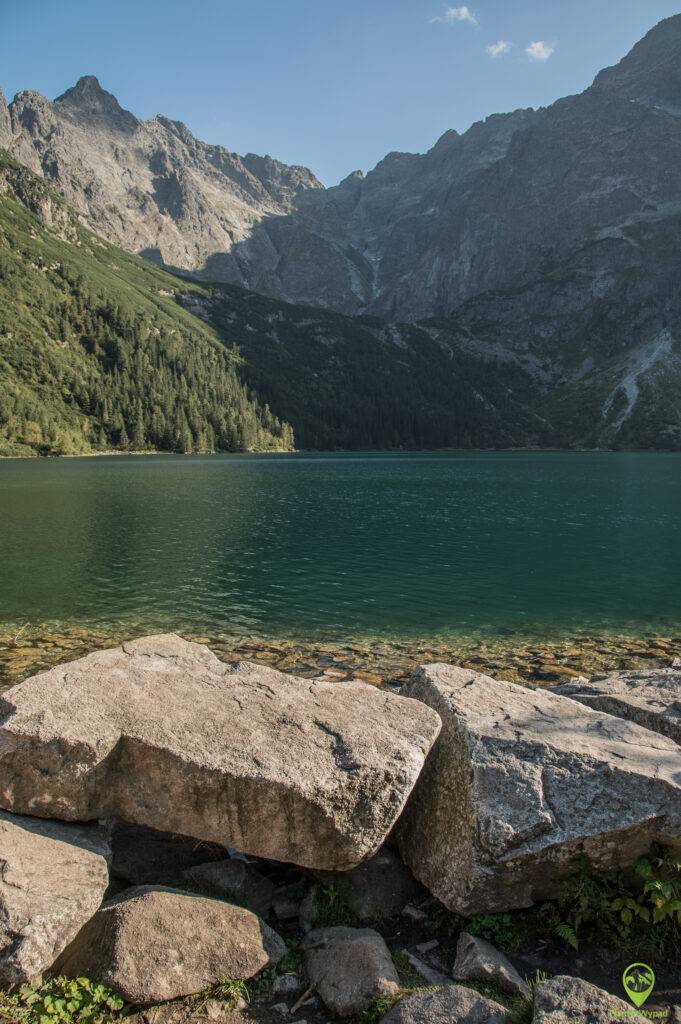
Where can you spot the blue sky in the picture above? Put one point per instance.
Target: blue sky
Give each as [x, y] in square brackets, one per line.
[331, 85]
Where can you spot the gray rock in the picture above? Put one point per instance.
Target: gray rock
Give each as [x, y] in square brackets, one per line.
[378, 888]
[651, 698]
[145, 856]
[565, 1000]
[159, 732]
[520, 782]
[349, 968]
[232, 880]
[153, 944]
[452, 1004]
[477, 960]
[286, 985]
[428, 973]
[52, 880]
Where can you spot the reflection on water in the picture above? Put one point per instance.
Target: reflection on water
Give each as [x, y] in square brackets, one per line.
[333, 547]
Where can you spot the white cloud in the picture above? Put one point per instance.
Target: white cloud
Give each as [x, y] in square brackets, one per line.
[539, 51]
[499, 48]
[454, 14]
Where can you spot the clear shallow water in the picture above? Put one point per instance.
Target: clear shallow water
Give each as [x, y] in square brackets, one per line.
[345, 545]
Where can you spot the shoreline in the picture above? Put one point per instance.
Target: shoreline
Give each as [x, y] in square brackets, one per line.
[379, 660]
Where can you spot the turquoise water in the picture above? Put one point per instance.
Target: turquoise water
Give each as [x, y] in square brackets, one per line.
[342, 545]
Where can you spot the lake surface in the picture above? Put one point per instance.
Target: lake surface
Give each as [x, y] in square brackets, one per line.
[344, 545]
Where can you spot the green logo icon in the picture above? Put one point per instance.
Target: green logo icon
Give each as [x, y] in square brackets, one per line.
[639, 982]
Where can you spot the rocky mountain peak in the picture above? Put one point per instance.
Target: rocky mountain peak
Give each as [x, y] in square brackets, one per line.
[89, 100]
[5, 127]
[651, 72]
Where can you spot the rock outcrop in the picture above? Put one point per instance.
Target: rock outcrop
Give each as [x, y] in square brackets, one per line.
[349, 968]
[477, 960]
[522, 781]
[52, 880]
[152, 944]
[564, 1000]
[150, 185]
[651, 698]
[159, 732]
[452, 1004]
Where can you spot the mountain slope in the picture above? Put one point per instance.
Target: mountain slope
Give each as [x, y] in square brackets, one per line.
[150, 186]
[94, 351]
[505, 203]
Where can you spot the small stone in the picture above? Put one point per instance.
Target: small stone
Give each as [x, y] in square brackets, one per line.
[427, 972]
[478, 960]
[281, 1008]
[350, 968]
[377, 889]
[284, 905]
[286, 985]
[414, 914]
[427, 947]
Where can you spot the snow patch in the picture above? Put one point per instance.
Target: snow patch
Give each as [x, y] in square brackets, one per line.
[643, 360]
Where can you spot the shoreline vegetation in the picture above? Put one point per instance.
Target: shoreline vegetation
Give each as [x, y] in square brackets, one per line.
[26, 649]
[520, 450]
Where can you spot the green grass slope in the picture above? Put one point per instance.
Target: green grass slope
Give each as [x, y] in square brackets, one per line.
[96, 354]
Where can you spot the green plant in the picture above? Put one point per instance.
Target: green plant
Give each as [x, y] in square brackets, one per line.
[501, 930]
[378, 1009]
[332, 908]
[260, 986]
[661, 876]
[230, 991]
[617, 906]
[61, 1001]
[522, 1007]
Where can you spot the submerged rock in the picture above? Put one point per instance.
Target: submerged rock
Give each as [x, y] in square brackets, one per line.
[650, 698]
[349, 968]
[452, 1004]
[564, 1000]
[52, 880]
[520, 782]
[477, 960]
[152, 944]
[159, 732]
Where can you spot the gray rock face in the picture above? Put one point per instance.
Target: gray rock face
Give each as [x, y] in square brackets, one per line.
[350, 968]
[235, 881]
[152, 944]
[150, 185]
[477, 960]
[159, 732]
[520, 782]
[564, 1000]
[52, 880]
[378, 888]
[452, 1004]
[650, 698]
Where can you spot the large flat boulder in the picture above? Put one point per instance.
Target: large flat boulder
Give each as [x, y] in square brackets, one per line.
[152, 944]
[566, 1000]
[52, 880]
[650, 697]
[159, 732]
[452, 1004]
[520, 781]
